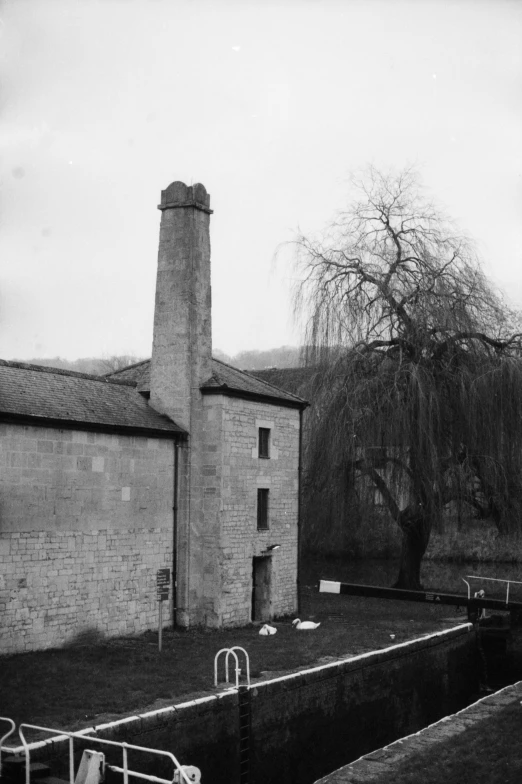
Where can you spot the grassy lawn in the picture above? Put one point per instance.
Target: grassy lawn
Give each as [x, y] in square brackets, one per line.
[71, 687]
[487, 753]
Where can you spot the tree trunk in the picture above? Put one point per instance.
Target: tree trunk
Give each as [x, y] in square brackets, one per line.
[415, 538]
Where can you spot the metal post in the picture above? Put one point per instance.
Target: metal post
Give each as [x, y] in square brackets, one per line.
[160, 625]
[71, 760]
[125, 765]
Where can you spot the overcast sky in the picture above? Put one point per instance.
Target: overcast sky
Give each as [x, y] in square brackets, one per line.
[270, 105]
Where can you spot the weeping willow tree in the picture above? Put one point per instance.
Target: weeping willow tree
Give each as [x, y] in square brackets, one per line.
[418, 389]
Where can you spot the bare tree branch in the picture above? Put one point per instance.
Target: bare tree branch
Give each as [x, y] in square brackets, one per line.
[417, 358]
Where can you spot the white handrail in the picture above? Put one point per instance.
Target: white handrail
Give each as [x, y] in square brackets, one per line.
[247, 660]
[87, 737]
[495, 580]
[238, 668]
[4, 737]
[228, 652]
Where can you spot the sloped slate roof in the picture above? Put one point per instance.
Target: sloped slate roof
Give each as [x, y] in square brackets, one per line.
[138, 375]
[294, 379]
[225, 379]
[35, 393]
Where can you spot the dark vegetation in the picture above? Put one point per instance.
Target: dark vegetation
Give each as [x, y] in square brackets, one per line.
[416, 373]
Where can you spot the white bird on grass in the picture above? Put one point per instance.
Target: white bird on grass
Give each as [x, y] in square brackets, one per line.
[266, 630]
[298, 624]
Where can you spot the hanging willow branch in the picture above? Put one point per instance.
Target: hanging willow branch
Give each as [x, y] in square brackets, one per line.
[418, 380]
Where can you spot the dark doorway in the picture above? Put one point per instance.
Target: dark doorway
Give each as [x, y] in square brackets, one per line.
[261, 589]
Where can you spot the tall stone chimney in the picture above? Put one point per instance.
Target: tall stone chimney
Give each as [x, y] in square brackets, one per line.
[182, 344]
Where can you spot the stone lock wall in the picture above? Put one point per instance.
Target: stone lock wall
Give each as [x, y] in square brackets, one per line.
[85, 522]
[304, 724]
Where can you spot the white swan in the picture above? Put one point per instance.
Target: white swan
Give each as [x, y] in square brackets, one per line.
[266, 630]
[298, 624]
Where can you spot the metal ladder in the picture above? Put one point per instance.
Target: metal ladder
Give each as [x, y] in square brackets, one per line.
[245, 731]
[244, 706]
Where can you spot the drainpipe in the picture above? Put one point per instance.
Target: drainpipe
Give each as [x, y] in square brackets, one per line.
[175, 535]
[299, 472]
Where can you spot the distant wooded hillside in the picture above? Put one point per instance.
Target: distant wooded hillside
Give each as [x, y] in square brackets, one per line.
[283, 357]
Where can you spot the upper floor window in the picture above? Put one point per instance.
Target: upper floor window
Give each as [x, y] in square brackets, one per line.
[264, 442]
[262, 508]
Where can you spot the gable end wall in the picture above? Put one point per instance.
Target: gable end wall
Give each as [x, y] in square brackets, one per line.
[232, 475]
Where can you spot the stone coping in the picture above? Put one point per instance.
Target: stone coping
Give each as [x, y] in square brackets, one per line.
[118, 730]
[378, 766]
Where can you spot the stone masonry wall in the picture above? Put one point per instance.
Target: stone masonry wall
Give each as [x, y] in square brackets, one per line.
[246, 472]
[85, 522]
[231, 473]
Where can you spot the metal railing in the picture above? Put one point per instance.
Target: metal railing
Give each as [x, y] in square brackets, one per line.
[125, 747]
[4, 737]
[228, 652]
[491, 579]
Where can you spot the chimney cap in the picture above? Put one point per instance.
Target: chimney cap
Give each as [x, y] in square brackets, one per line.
[180, 195]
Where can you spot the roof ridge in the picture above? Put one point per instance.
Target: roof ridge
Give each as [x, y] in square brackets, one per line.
[127, 367]
[63, 372]
[149, 360]
[226, 364]
[274, 367]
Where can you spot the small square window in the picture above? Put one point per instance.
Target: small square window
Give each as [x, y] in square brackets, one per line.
[262, 508]
[264, 442]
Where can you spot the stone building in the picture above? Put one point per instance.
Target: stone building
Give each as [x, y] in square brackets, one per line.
[179, 462]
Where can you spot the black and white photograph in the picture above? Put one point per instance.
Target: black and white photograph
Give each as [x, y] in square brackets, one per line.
[260, 391]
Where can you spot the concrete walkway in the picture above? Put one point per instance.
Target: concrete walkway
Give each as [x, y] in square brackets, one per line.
[377, 766]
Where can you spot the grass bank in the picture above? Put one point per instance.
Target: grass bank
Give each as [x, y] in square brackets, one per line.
[87, 684]
[487, 753]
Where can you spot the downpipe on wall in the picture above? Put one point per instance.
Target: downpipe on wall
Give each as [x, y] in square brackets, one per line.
[175, 536]
[299, 510]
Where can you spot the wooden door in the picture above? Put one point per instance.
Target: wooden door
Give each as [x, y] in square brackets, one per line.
[261, 589]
